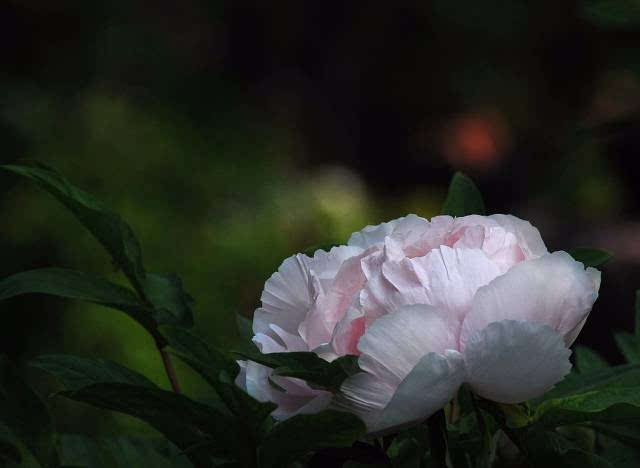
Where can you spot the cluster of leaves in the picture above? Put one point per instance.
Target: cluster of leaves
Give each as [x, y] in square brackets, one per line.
[592, 417]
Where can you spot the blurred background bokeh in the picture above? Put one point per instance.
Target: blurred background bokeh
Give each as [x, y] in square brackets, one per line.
[233, 133]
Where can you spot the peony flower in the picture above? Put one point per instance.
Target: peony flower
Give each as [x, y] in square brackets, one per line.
[427, 306]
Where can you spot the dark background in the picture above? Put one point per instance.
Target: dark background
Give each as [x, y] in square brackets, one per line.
[232, 134]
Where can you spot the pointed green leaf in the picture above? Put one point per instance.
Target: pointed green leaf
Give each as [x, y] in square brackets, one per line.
[81, 286]
[605, 405]
[188, 343]
[624, 376]
[22, 411]
[108, 228]
[463, 198]
[307, 366]
[590, 257]
[587, 360]
[183, 421]
[76, 372]
[107, 452]
[171, 304]
[292, 439]
[629, 346]
[245, 327]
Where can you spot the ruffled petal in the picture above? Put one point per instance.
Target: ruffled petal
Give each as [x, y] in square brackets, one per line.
[554, 290]
[286, 298]
[528, 236]
[512, 361]
[451, 277]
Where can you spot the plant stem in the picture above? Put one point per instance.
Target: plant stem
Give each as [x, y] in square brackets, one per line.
[170, 370]
[437, 424]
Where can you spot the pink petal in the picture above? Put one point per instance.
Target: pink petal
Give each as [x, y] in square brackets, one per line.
[554, 290]
[513, 361]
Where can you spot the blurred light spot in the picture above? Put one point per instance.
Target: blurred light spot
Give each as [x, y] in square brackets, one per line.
[476, 140]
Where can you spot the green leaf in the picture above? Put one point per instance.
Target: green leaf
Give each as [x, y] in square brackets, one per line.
[245, 327]
[76, 372]
[549, 448]
[299, 435]
[605, 405]
[587, 360]
[171, 304]
[183, 421]
[307, 366]
[189, 344]
[123, 452]
[22, 411]
[624, 376]
[629, 346]
[463, 198]
[590, 257]
[81, 286]
[108, 228]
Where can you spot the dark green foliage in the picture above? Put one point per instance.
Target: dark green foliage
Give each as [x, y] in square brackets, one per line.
[591, 257]
[293, 438]
[26, 416]
[77, 285]
[76, 372]
[463, 198]
[588, 360]
[112, 232]
[307, 366]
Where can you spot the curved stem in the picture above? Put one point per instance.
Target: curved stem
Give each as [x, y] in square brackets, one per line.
[170, 370]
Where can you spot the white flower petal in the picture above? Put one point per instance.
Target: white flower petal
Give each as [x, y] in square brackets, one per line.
[451, 277]
[430, 385]
[286, 298]
[384, 405]
[512, 361]
[397, 342]
[528, 236]
[554, 290]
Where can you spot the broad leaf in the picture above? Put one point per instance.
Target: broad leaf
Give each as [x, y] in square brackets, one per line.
[120, 452]
[171, 304]
[22, 411]
[590, 257]
[606, 405]
[623, 376]
[194, 427]
[189, 344]
[463, 198]
[76, 372]
[587, 360]
[112, 232]
[245, 327]
[307, 366]
[77, 285]
[299, 435]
